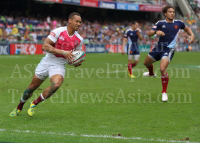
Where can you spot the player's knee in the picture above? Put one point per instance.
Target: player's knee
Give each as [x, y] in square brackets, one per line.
[57, 85]
[162, 69]
[130, 61]
[145, 64]
[136, 62]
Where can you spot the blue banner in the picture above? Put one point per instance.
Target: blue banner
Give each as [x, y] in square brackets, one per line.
[95, 48]
[76, 2]
[126, 6]
[4, 49]
[109, 5]
[123, 6]
[134, 7]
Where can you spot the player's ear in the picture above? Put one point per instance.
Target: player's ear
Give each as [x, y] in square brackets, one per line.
[69, 20]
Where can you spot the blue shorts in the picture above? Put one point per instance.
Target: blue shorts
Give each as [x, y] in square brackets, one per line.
[159, 53]
[132, 50]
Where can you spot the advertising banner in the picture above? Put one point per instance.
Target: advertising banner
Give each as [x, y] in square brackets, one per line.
[134, 7]
[95, 48]
[58, 1]
[108, 5]
[122, 6]
[91, 3]
[153, 8]
[126, 6]
[118, 48]
[26, 49]
[114, 48]
[4, 49]
[76, 2]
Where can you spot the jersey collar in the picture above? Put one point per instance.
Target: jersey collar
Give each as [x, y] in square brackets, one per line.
[167, 22]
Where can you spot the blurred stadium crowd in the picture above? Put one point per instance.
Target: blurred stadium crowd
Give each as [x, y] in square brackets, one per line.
[31, 29]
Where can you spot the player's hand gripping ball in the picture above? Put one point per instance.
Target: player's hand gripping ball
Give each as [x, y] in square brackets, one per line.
[78, 56]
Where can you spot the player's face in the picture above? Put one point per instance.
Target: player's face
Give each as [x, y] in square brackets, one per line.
[136, 25]
[75, 22]
[170, 14]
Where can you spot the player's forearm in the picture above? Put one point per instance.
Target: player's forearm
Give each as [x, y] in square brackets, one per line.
[50, 49]
[123, 44]
[140, 37]
[151, 33]
[189, 32]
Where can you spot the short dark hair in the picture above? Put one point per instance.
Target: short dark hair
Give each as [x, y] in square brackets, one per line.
[71, 16]
[135, 22]
[165, 9]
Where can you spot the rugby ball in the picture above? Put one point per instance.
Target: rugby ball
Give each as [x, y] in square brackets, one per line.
[79, 56]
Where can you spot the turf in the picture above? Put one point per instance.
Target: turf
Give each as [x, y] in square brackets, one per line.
[99, 103]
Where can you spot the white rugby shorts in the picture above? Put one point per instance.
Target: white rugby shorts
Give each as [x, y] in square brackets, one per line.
[48, 69]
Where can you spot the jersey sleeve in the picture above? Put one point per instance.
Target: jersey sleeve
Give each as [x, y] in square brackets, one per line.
[54, 35]
[182, 25]
[156, 26]
[79, 47]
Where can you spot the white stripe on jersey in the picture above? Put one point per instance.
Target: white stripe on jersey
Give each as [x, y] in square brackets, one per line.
[160, 21]
[128, 30]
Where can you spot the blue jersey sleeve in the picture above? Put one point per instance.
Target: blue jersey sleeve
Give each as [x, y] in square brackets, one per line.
[156, 26]
[182, 25]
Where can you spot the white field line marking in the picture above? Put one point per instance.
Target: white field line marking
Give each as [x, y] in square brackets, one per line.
[95, 136]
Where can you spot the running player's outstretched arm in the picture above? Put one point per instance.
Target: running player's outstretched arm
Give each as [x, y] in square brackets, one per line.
[189, 32]
[123, 44]
[140, 36]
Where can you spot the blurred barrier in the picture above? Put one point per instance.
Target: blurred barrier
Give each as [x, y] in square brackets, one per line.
[36, 48]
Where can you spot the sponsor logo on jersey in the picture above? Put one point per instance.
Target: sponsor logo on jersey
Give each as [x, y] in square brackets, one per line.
[163, 26]
[62, 38]
[53, 34]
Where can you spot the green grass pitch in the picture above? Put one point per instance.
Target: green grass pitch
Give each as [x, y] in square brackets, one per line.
[99, 103]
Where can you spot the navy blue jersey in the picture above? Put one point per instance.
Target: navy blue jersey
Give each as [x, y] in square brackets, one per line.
[171, 32]
[132, 38]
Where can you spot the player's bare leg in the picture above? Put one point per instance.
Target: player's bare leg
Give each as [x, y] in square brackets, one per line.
[56, 82]
[130, 66]
[148, 63]
[164, 78]
[35, 83]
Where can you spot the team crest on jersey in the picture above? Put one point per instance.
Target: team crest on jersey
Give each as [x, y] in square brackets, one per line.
[175, 27]
[62, 38]
[53, 34]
